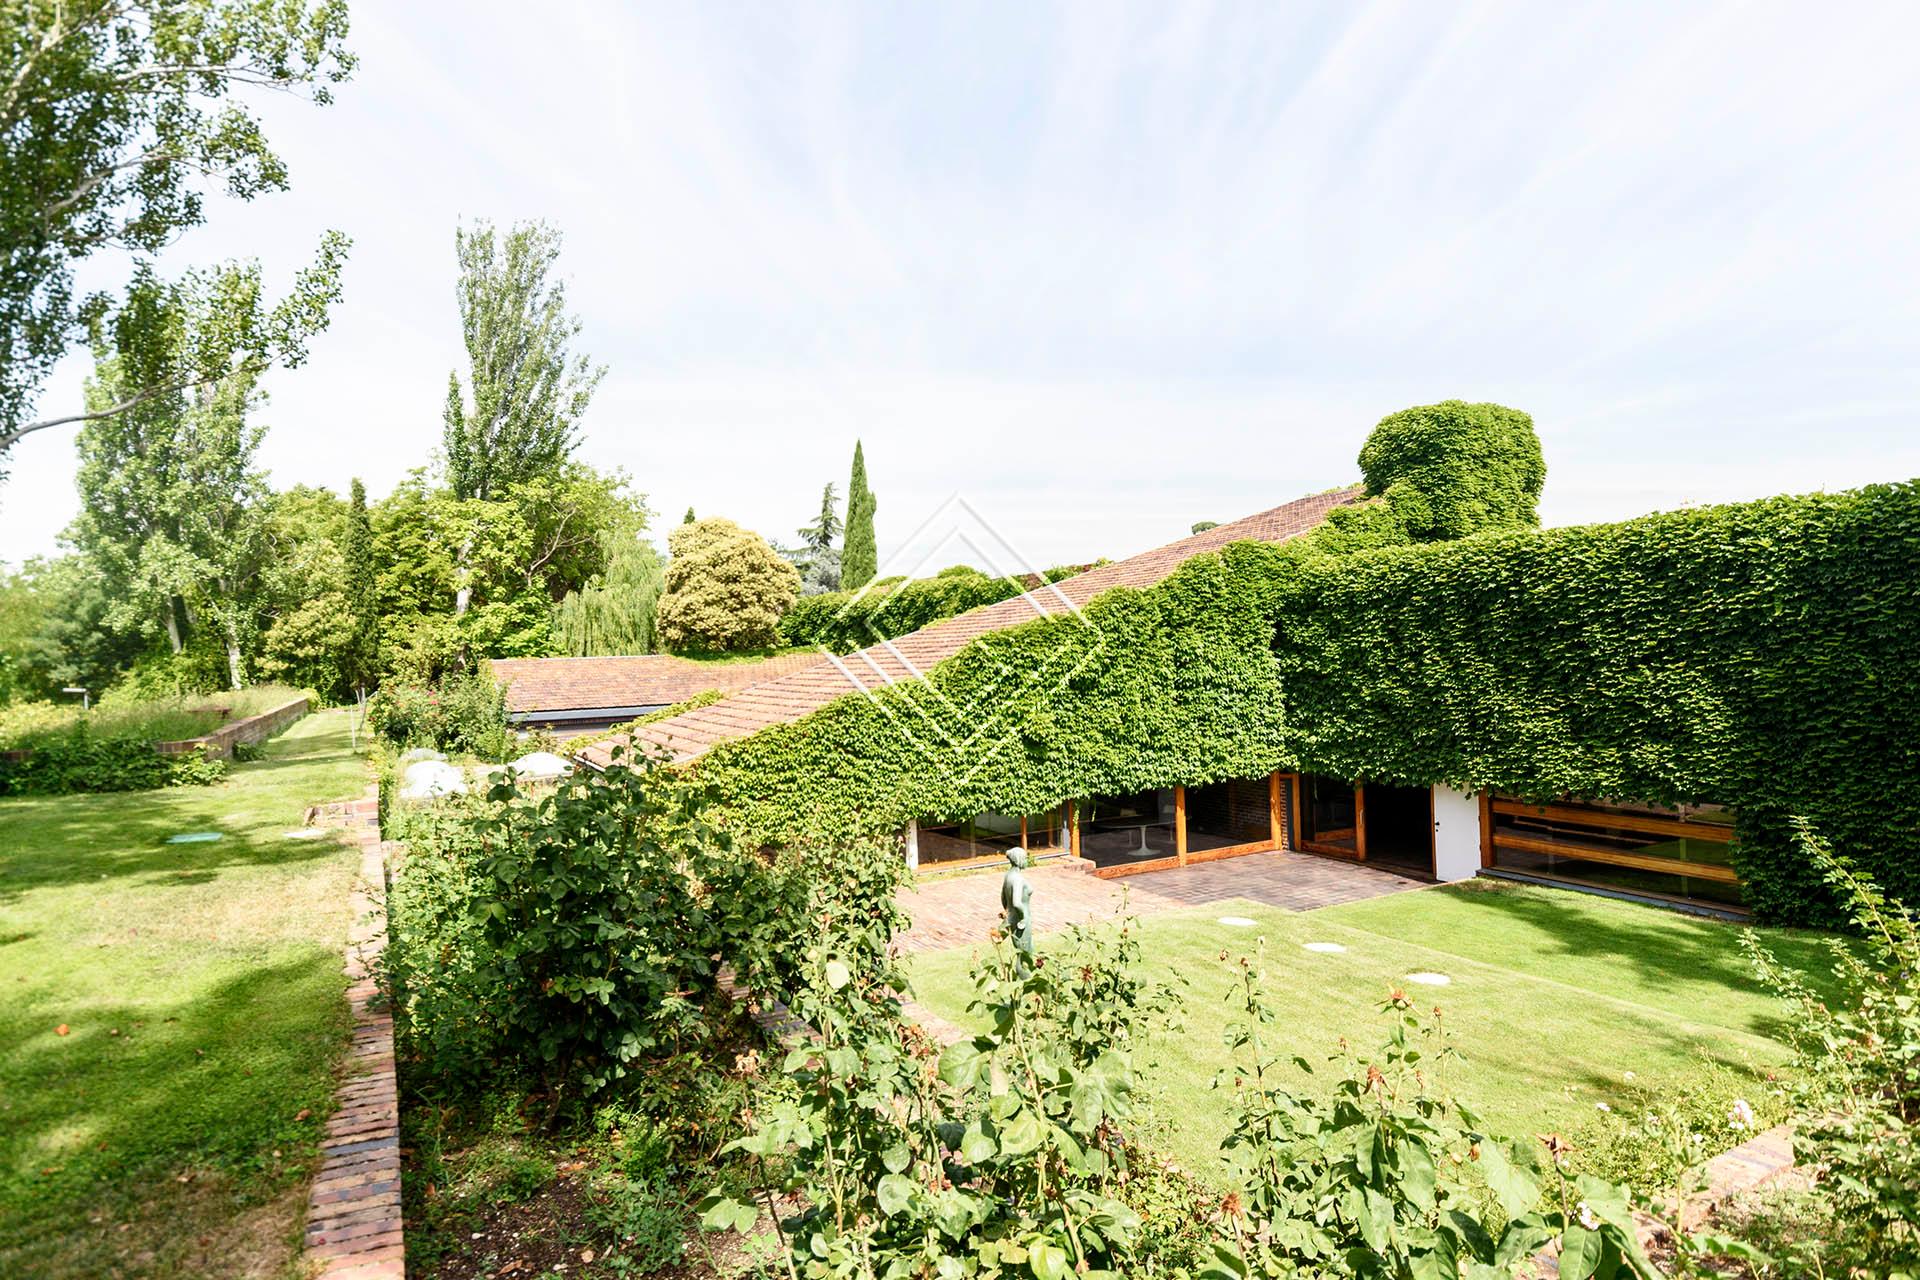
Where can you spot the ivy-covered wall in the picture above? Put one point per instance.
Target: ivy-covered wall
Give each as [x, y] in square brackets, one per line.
[1764, 655]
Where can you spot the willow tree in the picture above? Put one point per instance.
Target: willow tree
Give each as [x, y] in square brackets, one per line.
[616, 612]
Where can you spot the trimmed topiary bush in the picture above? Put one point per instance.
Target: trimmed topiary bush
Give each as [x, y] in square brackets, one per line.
[1453, 469]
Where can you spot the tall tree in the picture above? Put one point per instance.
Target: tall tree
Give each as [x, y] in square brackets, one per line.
[688, 518]
[169, 489]
[526, 389]
[817, 557]
[115, 117]
[363, 649]
[859, 558]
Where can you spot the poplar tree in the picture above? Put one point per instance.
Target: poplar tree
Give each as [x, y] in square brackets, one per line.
[519, 417]
[859, 559]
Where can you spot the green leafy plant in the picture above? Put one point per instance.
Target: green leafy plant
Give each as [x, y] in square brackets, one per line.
[1387, 1176]
[1763, 656]
[1000, 1156]
[461, 713]
[1856, 1096]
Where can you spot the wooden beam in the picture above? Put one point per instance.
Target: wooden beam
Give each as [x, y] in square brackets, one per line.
[1360, 821]
[1297, 811]
[1180, 825]
[1618, 858]
[1486, 828]
[1274, 810]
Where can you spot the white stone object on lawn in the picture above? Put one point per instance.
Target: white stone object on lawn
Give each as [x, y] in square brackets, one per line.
[412, 754]
[1326, 948]
[425, 779]
[542, 764]
[1238, 922]
[305, 833]
[1429, 979]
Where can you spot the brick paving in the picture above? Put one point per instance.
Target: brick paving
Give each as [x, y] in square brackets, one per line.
[958, 911]
[353, 1208]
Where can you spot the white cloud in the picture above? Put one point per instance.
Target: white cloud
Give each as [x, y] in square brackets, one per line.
[1107, 270]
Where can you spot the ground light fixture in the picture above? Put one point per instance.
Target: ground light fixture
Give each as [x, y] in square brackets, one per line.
[1429, 979]
[1324, 948]
[1236, 922]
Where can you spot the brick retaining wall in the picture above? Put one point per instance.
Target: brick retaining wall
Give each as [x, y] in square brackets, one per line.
[219, 744]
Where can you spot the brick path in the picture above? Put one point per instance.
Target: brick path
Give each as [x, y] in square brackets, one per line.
[959, 910]
[353, 1209]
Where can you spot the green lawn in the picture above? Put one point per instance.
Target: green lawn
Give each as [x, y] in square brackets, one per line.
[201, 992]
[1555, 997]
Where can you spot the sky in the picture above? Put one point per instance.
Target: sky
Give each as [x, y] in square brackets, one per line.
[1089, 274]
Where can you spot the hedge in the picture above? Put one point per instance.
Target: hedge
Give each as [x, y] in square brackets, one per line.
[82, 761]
[842, 621]
[1762, 655]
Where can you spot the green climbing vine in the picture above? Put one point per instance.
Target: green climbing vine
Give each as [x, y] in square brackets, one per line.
[1763, 655]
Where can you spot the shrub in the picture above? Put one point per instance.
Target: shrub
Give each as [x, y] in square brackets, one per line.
[81, 761]
[460, 714]
[1386, 1176]
[566, 933]
[1002, 1152]
[1453, 469]
[1856, 1098]
[726, 589]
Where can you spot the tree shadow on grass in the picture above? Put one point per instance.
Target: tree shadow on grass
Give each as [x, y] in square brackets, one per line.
[88, 840]
[1665, 950]
[104, 1124]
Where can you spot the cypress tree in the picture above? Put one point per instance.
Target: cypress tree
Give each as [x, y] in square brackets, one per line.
[859, 560]
[363, 649]
[689, 519]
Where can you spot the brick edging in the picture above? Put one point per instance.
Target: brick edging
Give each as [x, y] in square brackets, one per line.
[1754, 1163]
[354, 1230]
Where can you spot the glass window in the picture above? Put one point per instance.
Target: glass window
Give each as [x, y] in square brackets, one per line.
[1672, 853]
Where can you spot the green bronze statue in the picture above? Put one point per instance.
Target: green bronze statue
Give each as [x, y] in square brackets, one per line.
[1016, 899]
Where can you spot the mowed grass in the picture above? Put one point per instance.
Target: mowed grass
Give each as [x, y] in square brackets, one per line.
[1554, 998]
[201, 992]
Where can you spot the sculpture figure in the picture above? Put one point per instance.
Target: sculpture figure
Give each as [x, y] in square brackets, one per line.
[1016, 900]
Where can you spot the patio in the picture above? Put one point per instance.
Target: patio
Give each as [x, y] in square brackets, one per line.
[958, 911]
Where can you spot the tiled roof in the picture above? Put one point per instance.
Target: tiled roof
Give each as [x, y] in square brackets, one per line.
[788, 698]
[649, 680]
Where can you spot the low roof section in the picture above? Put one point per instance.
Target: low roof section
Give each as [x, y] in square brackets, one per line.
[692, 733]
[539, 686]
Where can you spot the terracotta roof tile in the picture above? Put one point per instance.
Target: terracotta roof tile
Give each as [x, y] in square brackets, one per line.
[647, 680]
[790, 696]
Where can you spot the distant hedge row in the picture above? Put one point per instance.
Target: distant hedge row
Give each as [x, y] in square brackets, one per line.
[842, 621]
[1764, 655]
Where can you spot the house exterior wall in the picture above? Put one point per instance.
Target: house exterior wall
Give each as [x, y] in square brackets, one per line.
[1456, 834]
